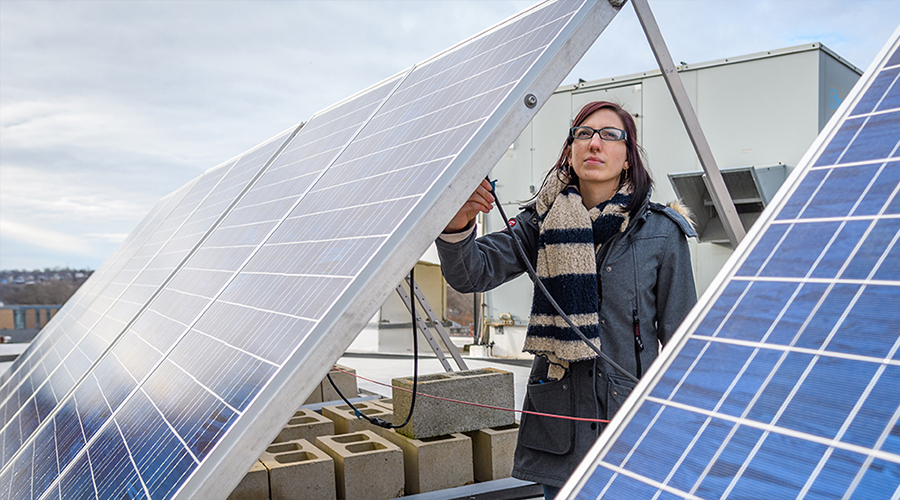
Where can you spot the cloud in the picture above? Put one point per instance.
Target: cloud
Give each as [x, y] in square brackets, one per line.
[697, 31]
[44, 238]
[67, 198]
[89, 123]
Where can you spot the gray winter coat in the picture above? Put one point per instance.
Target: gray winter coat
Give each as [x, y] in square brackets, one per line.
[646, 285]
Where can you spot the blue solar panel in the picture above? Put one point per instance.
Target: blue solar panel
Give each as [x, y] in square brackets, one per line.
[786, 382]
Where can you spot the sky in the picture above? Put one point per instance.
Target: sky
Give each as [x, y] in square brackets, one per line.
[107, 106]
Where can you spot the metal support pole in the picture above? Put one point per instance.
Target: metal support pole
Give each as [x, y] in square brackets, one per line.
[715, 183]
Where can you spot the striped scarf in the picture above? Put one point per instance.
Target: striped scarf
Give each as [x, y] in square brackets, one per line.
[569, 239]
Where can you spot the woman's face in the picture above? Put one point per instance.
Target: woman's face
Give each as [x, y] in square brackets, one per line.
[598, 163]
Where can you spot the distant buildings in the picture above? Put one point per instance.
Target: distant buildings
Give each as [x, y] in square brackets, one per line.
[15, 277]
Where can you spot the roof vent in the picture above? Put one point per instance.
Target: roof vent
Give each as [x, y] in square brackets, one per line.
[750, 187]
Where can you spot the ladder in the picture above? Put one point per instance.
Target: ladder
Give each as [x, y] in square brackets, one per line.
[435, 323]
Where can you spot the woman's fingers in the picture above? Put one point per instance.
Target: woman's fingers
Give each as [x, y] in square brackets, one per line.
[479, 201]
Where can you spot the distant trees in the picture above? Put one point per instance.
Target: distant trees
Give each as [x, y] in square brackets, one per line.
[48, 287]
[40, 293]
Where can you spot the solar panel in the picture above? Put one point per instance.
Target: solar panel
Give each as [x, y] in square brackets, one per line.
[75, 349]
[191, 392]
[784, 382]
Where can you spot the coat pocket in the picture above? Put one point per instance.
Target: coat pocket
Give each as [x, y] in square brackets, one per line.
[617, 391]
[547, 434]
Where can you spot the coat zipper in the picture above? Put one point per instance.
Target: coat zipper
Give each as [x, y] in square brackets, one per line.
[638, 343]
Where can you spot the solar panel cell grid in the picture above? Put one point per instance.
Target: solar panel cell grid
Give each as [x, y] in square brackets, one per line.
[891, 98]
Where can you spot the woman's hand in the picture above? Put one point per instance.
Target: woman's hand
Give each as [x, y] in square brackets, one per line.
[480, 201]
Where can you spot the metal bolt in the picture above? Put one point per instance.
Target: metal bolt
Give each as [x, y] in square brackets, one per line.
[530, 100]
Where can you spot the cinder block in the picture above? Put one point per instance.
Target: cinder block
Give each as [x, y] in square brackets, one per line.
[366, 466]
[434, 463]
[346, 421]
[297, 469]
[254, 485]
[493, 450]
[305, 424]
[387, 403]
[346, 383]
[315, 397]
[433, 417]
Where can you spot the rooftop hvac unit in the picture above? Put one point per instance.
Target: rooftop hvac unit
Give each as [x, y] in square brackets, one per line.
[750, 187]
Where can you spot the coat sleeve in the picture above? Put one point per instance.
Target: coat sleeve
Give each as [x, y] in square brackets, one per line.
[675, 294]
[482, 264]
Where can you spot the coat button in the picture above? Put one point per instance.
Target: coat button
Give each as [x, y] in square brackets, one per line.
[593, 426]
[615, 393]
[565, 386]
[602, 321]
[608, 269]
[590, 373]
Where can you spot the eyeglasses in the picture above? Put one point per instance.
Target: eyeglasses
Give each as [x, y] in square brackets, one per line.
[606, 133]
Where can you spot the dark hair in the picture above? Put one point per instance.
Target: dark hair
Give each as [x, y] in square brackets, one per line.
[636, 174]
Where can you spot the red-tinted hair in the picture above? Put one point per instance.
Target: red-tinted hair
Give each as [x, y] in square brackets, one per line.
[636, 174]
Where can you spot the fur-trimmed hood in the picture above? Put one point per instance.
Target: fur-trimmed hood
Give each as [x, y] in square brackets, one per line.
[684, 210]
[680, 214]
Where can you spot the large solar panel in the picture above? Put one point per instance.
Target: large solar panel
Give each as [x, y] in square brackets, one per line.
[183, 400]
[785, 381]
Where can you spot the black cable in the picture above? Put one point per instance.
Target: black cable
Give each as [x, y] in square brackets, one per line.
[379, 421]
[537, 281]
[412, 308]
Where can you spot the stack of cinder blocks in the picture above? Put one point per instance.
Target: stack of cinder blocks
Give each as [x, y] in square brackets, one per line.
[447, 442]
[337, 455]
[366, 465]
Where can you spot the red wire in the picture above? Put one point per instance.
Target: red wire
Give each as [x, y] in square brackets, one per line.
[564, 417]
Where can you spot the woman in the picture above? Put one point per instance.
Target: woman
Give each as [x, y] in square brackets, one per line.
[616, 263]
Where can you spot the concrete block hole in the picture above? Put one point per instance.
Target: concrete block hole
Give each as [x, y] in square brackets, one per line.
[350, 438]
[294, 458]
[361, 447]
